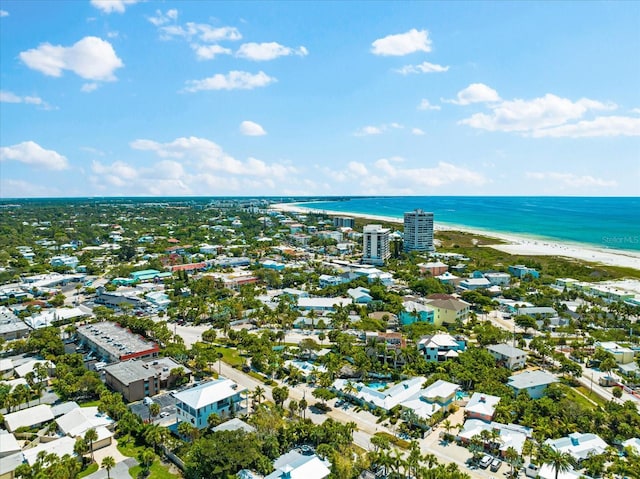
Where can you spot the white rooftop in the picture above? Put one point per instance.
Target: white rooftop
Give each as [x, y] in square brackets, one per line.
[59, 447]
[209, 393]
[294, 465]
[511, 435]
[580, 446]
[77, 421]
[28, 417]
[530, 379]
[482, 404]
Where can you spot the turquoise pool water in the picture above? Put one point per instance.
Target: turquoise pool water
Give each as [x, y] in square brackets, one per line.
[377, 385]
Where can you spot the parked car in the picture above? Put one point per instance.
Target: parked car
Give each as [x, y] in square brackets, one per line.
[485, 461]
[495, 464]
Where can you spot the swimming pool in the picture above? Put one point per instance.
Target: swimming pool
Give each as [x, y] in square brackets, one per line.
[377, 385]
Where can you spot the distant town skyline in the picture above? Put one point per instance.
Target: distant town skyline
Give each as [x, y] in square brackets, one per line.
[123, 97]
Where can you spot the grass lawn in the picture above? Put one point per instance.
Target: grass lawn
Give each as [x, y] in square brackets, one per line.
[231, 356]
[89, 403]
[396, 441]
[89, 470]
[593, 396]
[127, 446]
[158, 471]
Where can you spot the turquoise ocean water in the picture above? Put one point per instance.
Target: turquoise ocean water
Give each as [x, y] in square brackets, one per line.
[612, 223]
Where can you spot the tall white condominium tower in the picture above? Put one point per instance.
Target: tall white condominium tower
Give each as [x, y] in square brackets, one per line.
[375, 246]
[418, 231]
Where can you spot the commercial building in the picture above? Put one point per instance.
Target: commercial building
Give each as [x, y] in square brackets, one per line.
[11, 327]
[135, 380]
[375, 244]
[113, 343]
[418, 231]
[622, 354]
[221, 397]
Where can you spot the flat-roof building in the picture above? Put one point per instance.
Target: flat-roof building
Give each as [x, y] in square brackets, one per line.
[418, 231]
[114, 343]
[375, 246]
[133, 379]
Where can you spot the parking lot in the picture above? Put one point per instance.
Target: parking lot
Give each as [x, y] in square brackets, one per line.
[167, 409]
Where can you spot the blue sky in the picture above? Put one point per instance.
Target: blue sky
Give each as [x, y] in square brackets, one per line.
[120, 97]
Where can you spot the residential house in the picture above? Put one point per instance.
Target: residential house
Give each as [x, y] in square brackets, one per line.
[622, 354]
[441, 347]
[481, 406]
[30, 417]
[448, 278]
[412, 312]
[78, 421]
[360, 295]
[59, 447]
[579, 445]
[498, 279]
[434, 268]
[383, 399]
[534, 382]
[295, 465]
[448, 309]
[508, 356]
[438, 396]
[221, 396]
[325, 280]
[64, 261]
[322, 304]
[471, 284]
[521, 271]
[11, 327]
[510, 435]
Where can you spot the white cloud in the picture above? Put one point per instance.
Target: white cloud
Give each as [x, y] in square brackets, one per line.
[250, 128]
[417, 132]
[368, 130]
[600, 126]
[163, 18]
[424, 67]
[377, 130]
[268, 51]
[202, 31]
[89, 87]
[442, 174]
[90, 58]
[209, 52]
[426, 105]
[571, 180]
[10, 97]
[206, 155]
[30, 153]
[402, 43]
[636, 111]
[533, 115]
[117, 173]
[4, 13]
[234, 80]
[110, 6]
[476, 93]
[358, 168]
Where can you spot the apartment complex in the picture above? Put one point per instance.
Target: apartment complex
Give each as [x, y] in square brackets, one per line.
[112, 343]
[418, 231]
[133, 379]
[375, 246]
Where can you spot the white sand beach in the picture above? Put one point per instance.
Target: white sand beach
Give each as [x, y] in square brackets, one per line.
[516, 245]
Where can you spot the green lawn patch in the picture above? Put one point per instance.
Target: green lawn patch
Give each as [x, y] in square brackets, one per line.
[89, 470]
[127, 446]
[396, 441]
[89, 403]
[591, 395]
[231, 356]
[157, 471]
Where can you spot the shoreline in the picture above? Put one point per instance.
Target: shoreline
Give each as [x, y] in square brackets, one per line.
[516, 244]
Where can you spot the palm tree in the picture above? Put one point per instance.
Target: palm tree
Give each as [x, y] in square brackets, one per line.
[258, 394]
[154, 410]
[90, 436]
[559, 461]
[514, 460]
[108, 463]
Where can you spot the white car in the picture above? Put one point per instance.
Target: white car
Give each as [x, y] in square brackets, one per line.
[485, 461]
